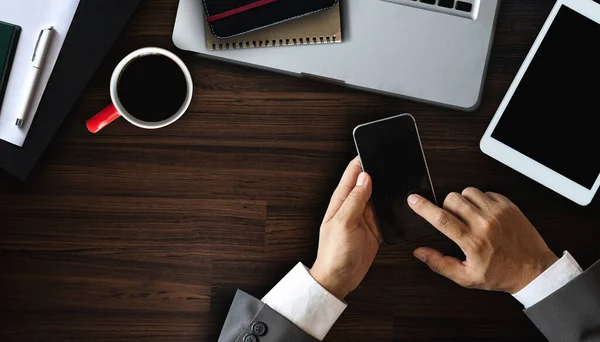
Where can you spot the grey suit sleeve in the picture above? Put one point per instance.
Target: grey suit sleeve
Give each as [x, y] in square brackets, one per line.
[251, 320]
[572, 313]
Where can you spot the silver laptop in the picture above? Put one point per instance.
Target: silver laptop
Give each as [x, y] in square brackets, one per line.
[433, 51]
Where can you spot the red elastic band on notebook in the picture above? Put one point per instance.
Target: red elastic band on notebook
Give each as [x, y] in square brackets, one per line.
[239, 10]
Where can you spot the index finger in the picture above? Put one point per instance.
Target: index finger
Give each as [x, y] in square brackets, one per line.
[346, 185]
[442, 220]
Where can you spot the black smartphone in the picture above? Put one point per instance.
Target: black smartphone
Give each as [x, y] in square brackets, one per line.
[391, 153]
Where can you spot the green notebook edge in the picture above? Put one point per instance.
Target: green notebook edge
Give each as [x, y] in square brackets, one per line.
[12, 42]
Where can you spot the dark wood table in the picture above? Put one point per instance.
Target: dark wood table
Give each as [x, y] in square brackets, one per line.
[146, 235]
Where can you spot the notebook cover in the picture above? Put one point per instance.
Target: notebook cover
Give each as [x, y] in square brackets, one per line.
[320, 28]
[89, 40]
[272, 12]
[9, 39]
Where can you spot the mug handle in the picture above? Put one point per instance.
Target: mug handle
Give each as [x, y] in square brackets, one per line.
[102, 119]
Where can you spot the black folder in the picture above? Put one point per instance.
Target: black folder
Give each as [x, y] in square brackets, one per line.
[95, 28]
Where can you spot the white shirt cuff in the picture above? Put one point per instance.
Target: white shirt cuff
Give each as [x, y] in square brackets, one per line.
[302, 300]
[555, 277]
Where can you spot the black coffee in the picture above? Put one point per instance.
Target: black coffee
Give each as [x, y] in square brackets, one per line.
[152, 88]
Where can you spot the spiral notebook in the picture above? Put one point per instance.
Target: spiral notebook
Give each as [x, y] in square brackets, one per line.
[324, 27]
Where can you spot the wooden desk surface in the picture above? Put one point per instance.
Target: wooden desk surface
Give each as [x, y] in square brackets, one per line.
[146, 235]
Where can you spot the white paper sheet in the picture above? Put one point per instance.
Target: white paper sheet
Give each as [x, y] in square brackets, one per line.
[32, 16]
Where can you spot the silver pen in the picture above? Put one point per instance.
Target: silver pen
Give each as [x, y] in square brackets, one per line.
[37, 62]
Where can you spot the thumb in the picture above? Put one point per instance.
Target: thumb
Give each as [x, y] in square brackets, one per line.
[355, 204]
[445, 266]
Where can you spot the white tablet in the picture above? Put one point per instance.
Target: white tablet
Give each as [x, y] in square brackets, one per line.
[548, 125]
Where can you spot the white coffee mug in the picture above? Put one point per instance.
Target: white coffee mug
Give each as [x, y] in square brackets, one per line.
[116, 109]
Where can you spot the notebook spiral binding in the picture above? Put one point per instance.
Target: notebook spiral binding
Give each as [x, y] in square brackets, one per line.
[276, 43]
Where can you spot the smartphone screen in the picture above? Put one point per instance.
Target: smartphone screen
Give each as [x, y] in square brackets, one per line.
[391, 153]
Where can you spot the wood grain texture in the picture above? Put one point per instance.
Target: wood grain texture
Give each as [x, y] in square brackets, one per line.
[146, 235]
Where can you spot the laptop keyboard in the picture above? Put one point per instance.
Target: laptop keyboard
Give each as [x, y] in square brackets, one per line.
[462, 8]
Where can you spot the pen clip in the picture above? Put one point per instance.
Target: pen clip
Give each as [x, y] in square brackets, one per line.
[36, 45]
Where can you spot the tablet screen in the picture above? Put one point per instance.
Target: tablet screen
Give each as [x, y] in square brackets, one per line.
[553, 115]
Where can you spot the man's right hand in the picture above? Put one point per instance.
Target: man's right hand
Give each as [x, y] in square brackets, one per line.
[504, 252]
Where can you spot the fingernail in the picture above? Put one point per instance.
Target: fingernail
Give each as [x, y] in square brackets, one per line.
[419, 254]
[413, 199]
[362, 179]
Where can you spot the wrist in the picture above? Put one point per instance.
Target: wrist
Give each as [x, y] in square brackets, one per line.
[532, 273]
[329, 283]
